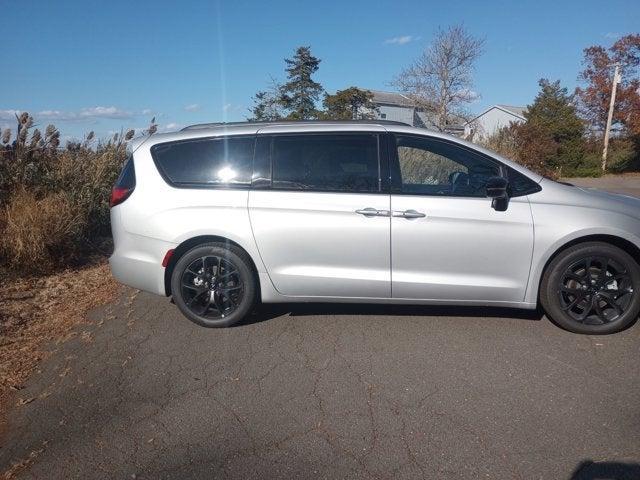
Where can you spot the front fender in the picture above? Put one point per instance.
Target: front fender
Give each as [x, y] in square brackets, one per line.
[556, 226]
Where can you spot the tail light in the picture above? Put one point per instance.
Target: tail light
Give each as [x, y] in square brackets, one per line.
[119, 195]
[124, 186]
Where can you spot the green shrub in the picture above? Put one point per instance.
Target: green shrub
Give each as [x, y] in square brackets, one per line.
[623, 157]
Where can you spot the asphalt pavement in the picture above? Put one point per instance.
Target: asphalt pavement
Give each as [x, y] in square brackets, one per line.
[321, 391]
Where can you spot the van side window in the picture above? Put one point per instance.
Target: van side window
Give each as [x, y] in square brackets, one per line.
[205, 162]
[434, 167]
[326, 162]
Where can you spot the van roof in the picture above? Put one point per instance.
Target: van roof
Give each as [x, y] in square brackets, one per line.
[200, 126]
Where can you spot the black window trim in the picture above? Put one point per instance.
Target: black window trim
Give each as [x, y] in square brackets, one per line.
[205, 186]
[267, 184]
[395, 179]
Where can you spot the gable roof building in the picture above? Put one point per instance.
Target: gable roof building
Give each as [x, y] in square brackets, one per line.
[493, 119]
[399, 107]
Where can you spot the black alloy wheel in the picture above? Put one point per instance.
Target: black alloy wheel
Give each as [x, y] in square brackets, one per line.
[214, 285]
[592, 288]
[595, 290]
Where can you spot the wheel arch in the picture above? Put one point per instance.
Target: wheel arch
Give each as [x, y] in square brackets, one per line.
[620, 242]
[188, 244]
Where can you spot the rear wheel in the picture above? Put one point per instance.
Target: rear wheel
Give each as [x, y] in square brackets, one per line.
[213, 285]
[592, 288]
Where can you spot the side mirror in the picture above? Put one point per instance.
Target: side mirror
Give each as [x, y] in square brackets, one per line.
[497, 190]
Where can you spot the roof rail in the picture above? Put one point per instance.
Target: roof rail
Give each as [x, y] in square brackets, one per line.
[294, 122]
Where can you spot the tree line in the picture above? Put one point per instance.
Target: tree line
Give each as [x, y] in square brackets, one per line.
[562, 132]
[298, 97]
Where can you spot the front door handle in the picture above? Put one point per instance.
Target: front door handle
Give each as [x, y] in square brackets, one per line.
[373, 212]
[409, 214]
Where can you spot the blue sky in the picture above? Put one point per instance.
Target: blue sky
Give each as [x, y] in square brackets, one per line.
[93, 65]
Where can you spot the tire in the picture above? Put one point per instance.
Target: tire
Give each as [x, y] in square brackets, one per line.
[214, 285]
[592, 288]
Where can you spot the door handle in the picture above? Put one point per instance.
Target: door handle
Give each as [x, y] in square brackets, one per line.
[372, 212]
[409, 214]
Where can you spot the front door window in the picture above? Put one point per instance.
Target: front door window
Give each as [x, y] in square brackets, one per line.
[434, 167]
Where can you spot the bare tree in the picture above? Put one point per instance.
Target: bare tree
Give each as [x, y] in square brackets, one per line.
[440, 80]
[267, 103]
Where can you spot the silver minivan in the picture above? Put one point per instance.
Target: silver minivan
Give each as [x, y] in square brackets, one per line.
[222, 216]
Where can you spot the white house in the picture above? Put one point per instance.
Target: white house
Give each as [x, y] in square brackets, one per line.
[492, 119]
[399, 107]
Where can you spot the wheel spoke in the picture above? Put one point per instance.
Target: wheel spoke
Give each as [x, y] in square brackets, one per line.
[225, 275]
[230, 298]
[218, 305]
[574, 302]
[585, 313]
[193, 299]
[229, 289]
[605, 267]
[576, 277]
[206, 306]
[193, 287]
[609, 300]
[573, 291]
[599, 312]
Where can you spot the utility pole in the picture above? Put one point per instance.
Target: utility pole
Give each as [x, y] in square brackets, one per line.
[616, 80]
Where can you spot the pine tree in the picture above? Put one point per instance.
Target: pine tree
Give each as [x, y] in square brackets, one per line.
[349, 104]
[300, 93]
[552, 138]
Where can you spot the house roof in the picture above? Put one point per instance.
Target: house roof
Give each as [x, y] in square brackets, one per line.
[391, 98]
[510, 109]
[517, 111]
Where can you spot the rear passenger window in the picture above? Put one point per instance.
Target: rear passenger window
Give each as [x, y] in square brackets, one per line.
[206, 162]
[337, 163]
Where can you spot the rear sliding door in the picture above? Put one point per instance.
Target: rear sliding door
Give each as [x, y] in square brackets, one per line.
[319, 216]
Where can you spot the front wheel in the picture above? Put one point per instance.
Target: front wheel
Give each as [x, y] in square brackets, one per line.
[592, 288]
[213, 285]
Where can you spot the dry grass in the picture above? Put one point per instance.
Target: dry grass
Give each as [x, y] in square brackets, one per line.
[37, 311]
[37, 230]
[54, 202]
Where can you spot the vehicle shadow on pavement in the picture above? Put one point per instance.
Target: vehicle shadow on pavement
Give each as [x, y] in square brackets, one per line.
[267, 312]
[590, 470]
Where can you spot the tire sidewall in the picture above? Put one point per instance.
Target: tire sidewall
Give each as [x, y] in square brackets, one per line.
[246, 273]
[550, 292]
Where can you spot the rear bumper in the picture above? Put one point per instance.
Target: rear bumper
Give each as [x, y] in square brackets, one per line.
[137, 259]
[138, 273]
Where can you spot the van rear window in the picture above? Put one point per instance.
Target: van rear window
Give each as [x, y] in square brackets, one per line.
[205, 162]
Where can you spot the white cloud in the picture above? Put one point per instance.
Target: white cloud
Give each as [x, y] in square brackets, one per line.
[193, 107]
[400, 40]
[104, 112]
[147, 111]
[231, 108]
[9, 114]
[89, 113]
[170, 127]
[612, 35]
